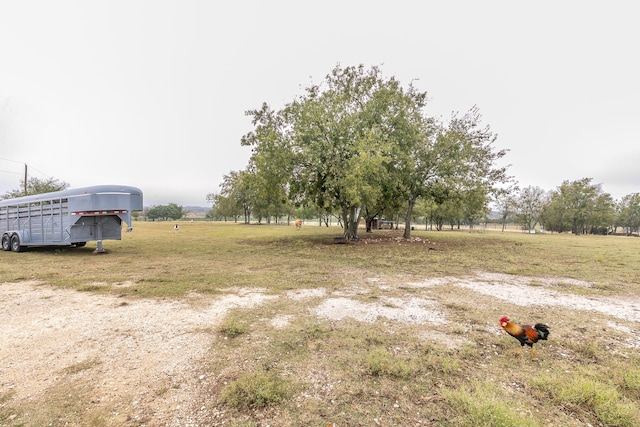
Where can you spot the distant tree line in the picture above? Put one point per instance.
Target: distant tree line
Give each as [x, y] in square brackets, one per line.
[578, 207]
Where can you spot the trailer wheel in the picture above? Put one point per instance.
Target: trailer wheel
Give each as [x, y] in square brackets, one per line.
[15, 243]
[80, 244]
[6, 242]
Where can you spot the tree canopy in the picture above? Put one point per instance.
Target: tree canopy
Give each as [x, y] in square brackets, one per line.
[361, 145]
[36, 186]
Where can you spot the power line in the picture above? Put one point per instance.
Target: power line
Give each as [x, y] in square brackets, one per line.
[11, 172]
[39, 171]
[13, 161]
[26, 165]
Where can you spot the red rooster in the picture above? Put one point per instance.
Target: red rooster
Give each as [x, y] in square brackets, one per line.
[526, 334]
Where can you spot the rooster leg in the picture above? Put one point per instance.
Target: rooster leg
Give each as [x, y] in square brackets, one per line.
[533, 352]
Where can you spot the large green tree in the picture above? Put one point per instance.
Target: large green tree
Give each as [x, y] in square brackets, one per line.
[359, 144]
[339, 145]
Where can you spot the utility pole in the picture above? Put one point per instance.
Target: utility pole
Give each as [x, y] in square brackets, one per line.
[25, 179]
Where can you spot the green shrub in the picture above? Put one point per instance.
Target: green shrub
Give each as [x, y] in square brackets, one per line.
[232, 327]
[381, 363]
[256, 390]
[482, 406]
[600, 399]
[631, 382]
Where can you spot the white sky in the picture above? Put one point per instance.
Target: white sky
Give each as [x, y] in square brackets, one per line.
[153, 93]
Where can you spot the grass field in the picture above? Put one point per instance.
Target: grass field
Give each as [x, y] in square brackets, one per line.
[461, 370]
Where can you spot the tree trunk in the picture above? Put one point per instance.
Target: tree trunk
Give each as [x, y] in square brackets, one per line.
[345, 222]
[351, 217]
[353, 226]
[407, 221]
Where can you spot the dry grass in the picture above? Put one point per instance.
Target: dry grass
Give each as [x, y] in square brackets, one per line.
[317, 371]
[205, 257]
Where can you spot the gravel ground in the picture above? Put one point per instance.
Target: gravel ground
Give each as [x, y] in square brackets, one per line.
[147, 356]
[147, 353]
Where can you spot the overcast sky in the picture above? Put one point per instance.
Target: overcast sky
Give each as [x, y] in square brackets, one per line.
[153, 93]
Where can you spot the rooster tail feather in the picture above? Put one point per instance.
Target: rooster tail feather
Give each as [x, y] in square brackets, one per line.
[543, 330]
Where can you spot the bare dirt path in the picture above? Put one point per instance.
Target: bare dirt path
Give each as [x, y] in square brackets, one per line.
[143, 354]
[147, 356]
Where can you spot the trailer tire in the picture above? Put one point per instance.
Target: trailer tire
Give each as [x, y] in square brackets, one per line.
[15, 243]
[6, 242]
[80, 244]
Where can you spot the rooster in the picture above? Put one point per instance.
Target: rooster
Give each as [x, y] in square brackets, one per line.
[526, 334]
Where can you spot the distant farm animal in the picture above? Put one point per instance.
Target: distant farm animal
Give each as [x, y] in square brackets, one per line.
[298, 223]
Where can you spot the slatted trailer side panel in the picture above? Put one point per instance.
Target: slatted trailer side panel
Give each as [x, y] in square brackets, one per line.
[68, 218]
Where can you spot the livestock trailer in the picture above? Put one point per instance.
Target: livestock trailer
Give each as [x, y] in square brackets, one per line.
[69, 217]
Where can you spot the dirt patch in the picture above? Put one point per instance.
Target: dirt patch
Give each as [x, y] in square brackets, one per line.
[529, 291]
[147, 356]
[409, 310]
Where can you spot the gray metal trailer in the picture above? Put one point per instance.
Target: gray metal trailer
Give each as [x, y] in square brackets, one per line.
[69, 217]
